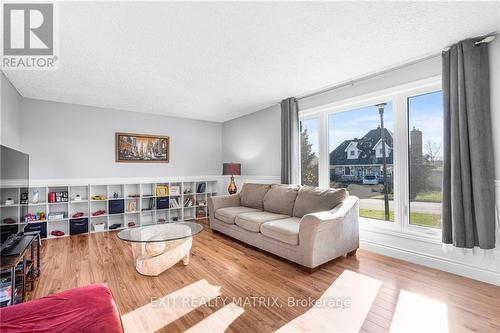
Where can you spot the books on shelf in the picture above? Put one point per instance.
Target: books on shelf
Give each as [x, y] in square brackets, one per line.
[174, 203]
[201, 188]
[189, 202]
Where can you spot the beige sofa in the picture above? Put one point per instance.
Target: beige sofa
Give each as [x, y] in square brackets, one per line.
[307, 225]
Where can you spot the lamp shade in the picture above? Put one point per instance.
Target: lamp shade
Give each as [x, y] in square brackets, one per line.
[231, 169]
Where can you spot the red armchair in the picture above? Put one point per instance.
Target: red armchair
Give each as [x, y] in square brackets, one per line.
[87, 309]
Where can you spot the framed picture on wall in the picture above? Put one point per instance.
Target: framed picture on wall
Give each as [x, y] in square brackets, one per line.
[141, 148]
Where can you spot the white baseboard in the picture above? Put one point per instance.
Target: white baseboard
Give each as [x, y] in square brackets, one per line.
[451, 266]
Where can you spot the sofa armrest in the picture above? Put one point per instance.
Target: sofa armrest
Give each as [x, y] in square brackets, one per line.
[335, 215]
[327, 235]
[223, 201]
[340, 211]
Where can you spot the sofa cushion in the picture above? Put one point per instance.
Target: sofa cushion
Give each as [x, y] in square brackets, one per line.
[314, 199]
[252, 195]
[252, 221]
[280, 199]
[229, 214]
[285, 230]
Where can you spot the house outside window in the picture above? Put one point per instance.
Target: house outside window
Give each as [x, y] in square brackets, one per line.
[365, 178]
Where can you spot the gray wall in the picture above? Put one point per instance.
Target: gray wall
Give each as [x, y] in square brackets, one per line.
[254, 141]
[74, 141]
[10, 115]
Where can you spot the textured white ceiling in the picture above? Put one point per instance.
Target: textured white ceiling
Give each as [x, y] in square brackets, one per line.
[219, 60]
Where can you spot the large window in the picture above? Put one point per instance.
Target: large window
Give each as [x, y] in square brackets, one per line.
[425, 124]
[309, 152]
[385, 148]
[361, 155]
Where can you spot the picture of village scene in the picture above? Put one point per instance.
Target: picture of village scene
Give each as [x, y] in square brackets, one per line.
[361, 158]
[142, 148]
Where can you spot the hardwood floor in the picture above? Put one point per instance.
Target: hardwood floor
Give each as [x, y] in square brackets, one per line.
[216, 260]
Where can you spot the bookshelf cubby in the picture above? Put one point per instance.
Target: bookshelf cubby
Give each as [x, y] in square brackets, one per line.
[188, 202]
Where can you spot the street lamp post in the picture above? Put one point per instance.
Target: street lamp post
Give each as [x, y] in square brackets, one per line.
[381, 107]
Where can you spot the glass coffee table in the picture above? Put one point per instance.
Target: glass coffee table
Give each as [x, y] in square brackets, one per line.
[158, 247]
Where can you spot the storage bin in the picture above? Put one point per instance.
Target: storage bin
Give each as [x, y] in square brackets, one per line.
[99, 226]
[162, 203]
[116, 206]
[41, 227]
[78, 226]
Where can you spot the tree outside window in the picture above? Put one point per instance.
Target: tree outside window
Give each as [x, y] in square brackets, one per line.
[309, 161]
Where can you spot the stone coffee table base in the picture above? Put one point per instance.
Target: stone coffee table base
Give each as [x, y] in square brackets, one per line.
[154, 258]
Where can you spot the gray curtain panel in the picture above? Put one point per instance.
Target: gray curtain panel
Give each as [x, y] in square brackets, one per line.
[290, 141]
[468, 184]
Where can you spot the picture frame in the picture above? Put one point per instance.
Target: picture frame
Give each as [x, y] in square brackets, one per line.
[141, 148]
[175, 190]
[162, 191]
[24, 198]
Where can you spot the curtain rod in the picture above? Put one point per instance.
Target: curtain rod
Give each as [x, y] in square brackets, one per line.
[489, 38]
[370, 76]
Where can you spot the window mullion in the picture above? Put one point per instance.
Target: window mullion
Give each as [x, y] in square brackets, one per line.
[324, 160]
[401, 162]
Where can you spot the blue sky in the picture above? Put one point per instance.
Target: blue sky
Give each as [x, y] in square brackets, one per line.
[425, 113]
[356, 123]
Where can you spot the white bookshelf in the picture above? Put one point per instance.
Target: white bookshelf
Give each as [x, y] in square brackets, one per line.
[191, 205]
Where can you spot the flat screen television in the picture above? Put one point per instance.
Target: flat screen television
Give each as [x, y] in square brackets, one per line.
[14, 174]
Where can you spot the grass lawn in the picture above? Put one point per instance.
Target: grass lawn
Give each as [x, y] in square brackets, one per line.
[431, 196]
[381, 196]
[428, 220]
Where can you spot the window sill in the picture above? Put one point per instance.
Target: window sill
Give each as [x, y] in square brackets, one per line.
[390, 228]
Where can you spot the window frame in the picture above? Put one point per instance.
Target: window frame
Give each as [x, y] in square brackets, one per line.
[398, 95]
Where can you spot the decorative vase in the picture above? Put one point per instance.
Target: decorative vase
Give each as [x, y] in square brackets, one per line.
[232, 189]
[35, 197]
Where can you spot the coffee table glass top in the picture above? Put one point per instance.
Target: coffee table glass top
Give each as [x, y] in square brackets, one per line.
[161, 232]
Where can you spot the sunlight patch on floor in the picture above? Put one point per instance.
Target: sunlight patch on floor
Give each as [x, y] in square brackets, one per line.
[164, 310]
[343, 307]
[218, 321]
[417, 313]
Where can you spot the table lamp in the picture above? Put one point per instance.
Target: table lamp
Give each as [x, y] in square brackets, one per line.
[231, 169]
